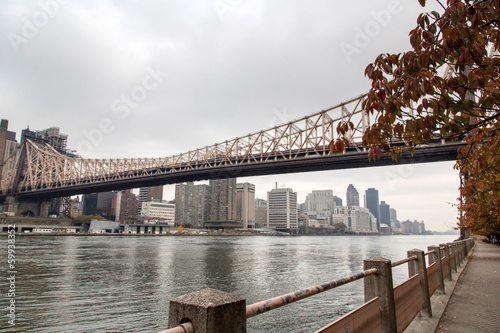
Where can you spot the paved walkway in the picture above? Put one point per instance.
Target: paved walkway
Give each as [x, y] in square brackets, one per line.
[474, 305]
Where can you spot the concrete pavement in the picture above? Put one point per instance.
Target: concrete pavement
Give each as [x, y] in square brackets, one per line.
[474, 305]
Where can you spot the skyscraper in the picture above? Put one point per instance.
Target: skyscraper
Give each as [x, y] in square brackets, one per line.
[98, 204]
[222, 200]
[191, 204]
[282, 209]
[352, 196]
[372, 203]
[245, 204]
[385, 213]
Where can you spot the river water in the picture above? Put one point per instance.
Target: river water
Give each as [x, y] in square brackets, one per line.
[124, 284]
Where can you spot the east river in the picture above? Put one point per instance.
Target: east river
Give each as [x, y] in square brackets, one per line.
[124, 284]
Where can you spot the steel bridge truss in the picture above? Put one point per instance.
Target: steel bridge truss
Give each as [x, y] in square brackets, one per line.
[34, 166]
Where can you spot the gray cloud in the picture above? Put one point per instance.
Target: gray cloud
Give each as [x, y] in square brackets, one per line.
[231, 70]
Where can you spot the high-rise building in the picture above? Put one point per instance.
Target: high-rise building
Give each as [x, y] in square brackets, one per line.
[245, 204]
[54, 138]
[352, 196]
[337, 200]
[318, 201]
[148, 194]
[385, 213]
[372, 203]
[282, 209]
[222, 200]
[124, 205]
[98, 204]
[191, 204]
[260, 213]
[10, 144]
[394, 219]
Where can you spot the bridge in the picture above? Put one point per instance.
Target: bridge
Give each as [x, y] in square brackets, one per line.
[36, 171]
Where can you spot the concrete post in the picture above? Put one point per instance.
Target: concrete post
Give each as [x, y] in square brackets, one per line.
[419, 267]
[436, 258]
[210, 311]
[447, 255]
[460, 252]
[380, 285]
[456, 261]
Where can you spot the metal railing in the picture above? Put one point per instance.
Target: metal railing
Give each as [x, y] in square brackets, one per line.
[276, 302]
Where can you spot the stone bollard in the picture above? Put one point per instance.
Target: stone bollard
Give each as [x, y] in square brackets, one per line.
[419, 267]
[436, 258]
[210, 311]
[380, 285]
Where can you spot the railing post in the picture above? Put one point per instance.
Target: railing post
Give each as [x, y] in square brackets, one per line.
[446, 253]
[210, 311]
[466, 251]
[419, 267]
[380, 285]
[436, 258]
[460, 251]
[451, 256]
[454, 246]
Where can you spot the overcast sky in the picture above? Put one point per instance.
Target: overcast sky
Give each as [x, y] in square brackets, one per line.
[157, 78]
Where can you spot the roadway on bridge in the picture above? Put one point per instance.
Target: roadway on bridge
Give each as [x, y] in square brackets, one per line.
[474, 305]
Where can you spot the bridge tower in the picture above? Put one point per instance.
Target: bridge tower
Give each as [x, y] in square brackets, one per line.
[11, 203]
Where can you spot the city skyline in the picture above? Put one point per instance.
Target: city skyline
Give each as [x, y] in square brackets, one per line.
[157, 79]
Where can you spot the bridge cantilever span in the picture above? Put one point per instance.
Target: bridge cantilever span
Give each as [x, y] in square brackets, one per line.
[37, 171]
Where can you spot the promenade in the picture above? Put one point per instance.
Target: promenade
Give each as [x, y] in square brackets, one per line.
[474, 305]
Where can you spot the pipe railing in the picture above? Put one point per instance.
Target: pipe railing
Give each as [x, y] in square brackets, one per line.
[276, 302]
[182, 328]
[403, 261]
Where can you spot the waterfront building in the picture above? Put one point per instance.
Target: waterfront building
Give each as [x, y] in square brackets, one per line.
[245, 204]
[356, 219]
[321, 204]
[148, 194]
[394, 219]
[124, 206]
[282, 209]
[222, 200]
[159, 211]
[318, 201]
[385, 213]
[191, 204]
[372, 203]
[260, 213]
[98, 204]
[352, 196]
[413, 228]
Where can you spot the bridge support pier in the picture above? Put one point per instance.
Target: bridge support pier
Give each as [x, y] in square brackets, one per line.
[29, 207]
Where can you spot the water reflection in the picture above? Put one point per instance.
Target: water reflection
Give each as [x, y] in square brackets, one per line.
[124, 284]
